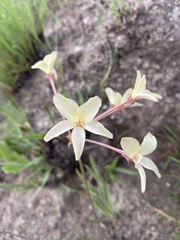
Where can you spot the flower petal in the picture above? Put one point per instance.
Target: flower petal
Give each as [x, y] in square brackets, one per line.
[142, 176]
[41, 65]
[126, 93]
[58, 129]
[67, 107]
[55, 74]
[50, 60]
[148, 145]
[136, 104]
[156, 95]
[149, 164]
[140, 84]
[130, 146]
[113, 97]
[97, 128]
[149, 95]
[78, 141]
[146, 96]
[89, 109]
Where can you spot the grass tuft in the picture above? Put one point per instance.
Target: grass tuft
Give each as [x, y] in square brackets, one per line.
[21, 32]
[20, 147]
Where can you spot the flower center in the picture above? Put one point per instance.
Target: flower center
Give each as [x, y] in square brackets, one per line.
[79, 122]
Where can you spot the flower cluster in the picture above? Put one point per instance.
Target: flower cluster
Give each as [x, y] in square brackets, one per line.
[78, 119]
[132, 94]
[115, 98]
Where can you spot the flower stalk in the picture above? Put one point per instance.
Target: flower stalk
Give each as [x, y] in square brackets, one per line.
[121, 152]
[114, 109]
[89, 195]
[51, 80]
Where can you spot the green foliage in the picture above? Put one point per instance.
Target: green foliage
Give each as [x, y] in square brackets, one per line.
[112, 169]
[20, 146]
[82, 234]
[117, 7]
[109, 68]
[175, 235]
[172, 139]
[21, 24]
[99, 191]
[81, 99]
[15, 162]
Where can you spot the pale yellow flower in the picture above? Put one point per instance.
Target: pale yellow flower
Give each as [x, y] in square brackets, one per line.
[116, 98]
[78, 118]
[136, 152]
[47, 64]
[140, 92]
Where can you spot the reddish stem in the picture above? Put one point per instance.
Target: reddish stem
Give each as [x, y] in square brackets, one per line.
[126, 103]
[109, 147]
[51, 80]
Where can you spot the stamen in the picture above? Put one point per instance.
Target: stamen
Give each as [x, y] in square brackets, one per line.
[79, 122]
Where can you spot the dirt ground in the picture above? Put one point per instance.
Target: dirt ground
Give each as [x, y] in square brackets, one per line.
[94, 50]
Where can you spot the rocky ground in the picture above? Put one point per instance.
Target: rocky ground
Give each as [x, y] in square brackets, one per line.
[96, 50]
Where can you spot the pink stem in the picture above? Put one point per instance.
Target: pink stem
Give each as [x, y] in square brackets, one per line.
[51, 80]
[108, 112]
[108, 146]
[126, 103]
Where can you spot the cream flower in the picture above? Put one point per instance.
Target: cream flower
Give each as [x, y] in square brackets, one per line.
[136, 153]
[140, 92]
[116, 98]
[78, 118]
[47, 64]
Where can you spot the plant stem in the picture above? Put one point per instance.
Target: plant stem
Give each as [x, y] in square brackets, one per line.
[123, 154]
[128, 101]
[111, 111]
[89, 195]
[51, 80]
